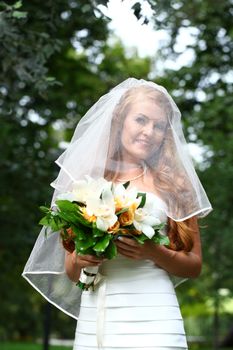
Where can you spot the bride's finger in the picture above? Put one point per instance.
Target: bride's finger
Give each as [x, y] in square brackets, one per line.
[129, 241]
[125, 246]
[90, 258]
[128, 254]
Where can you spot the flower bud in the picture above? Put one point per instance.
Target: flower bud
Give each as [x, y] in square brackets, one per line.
[114, 229]
[126, 218]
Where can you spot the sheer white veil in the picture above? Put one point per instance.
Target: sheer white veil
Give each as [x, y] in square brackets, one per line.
[95, 150]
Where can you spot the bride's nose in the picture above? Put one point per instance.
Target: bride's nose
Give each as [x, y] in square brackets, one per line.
[148, 129]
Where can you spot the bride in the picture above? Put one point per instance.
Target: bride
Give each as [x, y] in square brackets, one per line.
[131, 134]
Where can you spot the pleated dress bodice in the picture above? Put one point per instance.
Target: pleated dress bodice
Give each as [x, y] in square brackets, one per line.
[139, 307]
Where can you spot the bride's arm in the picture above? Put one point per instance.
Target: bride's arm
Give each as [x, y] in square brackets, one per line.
[178, 263]
[71, 266]
[74, 263]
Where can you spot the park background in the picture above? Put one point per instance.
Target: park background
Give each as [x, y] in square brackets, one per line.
[57, 58]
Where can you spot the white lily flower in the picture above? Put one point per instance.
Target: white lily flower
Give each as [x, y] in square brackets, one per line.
[148, 216]
[83, 189]
[124, 197]
[103, 207]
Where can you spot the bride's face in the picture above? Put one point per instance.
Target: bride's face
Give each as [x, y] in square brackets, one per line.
[143, 130]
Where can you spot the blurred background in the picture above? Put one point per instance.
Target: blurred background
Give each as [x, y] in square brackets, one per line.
[57, 58]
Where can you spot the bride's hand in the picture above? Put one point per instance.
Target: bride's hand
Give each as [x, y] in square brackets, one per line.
[132, 249]
[74, 263]
[85, 260]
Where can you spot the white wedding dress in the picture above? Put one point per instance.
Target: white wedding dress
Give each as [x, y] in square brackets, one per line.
[134, 307]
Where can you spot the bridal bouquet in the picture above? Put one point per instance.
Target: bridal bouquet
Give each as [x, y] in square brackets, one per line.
[95, 212]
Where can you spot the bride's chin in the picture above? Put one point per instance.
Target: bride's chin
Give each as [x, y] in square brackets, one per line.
[137, 158]
[143, 156]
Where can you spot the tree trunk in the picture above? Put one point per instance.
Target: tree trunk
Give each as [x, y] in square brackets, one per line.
[47, 325]
[216, 322]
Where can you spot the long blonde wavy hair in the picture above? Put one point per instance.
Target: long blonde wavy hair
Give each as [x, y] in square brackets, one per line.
[163, 164]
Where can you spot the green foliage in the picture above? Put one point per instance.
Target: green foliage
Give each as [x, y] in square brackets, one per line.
[161, 239]
[203, 89]
[45, 88]
[103, 243]
[111, 250]
[87, 237]
[29, 346]
[24, 53]
[143, 199]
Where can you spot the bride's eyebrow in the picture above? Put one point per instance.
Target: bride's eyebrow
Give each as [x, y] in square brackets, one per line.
[156, 121]
[142, 115]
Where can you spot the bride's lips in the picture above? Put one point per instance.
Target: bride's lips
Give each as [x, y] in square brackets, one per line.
[144, 142]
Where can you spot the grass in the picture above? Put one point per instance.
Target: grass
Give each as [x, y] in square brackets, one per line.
[33, 346]
[29, 346]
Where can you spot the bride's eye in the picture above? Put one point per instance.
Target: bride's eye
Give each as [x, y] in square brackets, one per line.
[141, 120]
[159, 126]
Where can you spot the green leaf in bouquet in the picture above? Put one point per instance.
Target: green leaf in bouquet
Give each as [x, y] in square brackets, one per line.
[83, 245]
[67, 210]
[82, 220]
[79, 234]
[45, 221]
[141, 238]
[159, 226]
[52, 227]
[75, 228]
[88, 251]
[79, 231]
[143, 200]
[45, 209]
[160, 239]
[126, 184]
[111, 250]
[56, 224]
[102, 243]
[70, 211]
[96, 232]
[69, 217]
[65, 233]
[123, 210]
[52, 221]
[65, 205]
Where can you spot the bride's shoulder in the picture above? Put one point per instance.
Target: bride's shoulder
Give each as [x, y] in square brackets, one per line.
[153, 196]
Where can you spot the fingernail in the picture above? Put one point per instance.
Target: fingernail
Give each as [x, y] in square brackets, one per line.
[121, 238]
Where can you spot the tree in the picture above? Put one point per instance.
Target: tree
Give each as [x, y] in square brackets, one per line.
[54, 66]
[203, 89]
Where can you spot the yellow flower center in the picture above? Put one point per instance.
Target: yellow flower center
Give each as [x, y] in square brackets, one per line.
[90, 218]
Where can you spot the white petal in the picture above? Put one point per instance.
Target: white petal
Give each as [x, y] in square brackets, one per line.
[101, 224]
[151, 220]
[66, 196]
[137, 225]
[107, 197]
[148, 230]
[104, 223]
[92, 205]
[112, 220]
[139, 215]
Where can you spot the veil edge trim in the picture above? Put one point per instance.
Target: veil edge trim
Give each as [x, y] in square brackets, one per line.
[49, 300]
